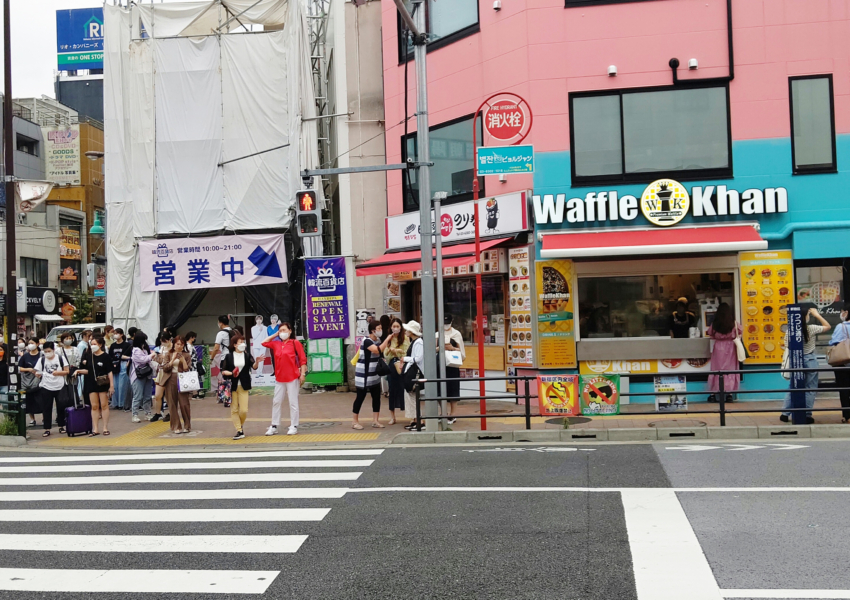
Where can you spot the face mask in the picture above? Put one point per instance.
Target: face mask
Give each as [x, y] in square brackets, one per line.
[49, 354]
[41, 346]
[67, 342]
[31, 347]
[447, 327]
[22, 345]
[241, 347]
[95, 347]
[284, 335]
[378, 332]
[396, 330]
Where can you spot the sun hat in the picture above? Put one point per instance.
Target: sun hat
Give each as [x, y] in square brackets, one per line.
[414, 328]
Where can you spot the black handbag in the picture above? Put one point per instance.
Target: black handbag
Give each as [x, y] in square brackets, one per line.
[410, 374]
[382, 368]
[144, 371]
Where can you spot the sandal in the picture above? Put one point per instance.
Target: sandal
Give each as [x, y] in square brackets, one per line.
[356, 426]
[391, 422]
[46, 433]
[378, 426]
[93, 433]
[106, 432]
[61, 430]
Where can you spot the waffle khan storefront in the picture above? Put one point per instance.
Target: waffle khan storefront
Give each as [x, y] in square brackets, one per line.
[612, 266]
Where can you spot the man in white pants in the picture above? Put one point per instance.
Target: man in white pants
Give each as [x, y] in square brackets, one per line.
[290, 370]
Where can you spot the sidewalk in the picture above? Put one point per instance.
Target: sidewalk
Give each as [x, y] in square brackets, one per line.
[326, 419]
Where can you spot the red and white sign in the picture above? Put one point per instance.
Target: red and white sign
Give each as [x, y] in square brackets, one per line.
[497, 216]
[505, 119]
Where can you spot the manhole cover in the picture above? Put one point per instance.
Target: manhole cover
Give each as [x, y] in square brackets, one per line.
[319, 425]
[678, 423]
[572, 420]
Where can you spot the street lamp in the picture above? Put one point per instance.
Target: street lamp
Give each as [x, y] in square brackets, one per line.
[94, 155]
[97, 228]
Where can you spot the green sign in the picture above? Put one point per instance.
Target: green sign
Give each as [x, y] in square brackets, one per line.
[79, 60]
[600, 394]
[505, 160]
[325, 364]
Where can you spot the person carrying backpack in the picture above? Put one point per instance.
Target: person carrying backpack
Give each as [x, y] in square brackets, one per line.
[219, 351]
[51, 369]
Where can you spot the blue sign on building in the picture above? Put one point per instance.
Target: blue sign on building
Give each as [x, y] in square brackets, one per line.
[505, 160]
[79, 38]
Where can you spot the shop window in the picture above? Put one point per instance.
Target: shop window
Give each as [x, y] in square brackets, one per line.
[27, 145]
[642, 306]
[823, 288]
[452, 155]
[34, 270]
[445, 22]
[459, 301]
[631, 135]
[574, 3]
[812, 124]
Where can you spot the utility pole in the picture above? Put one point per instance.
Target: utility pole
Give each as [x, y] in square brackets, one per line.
[423, 158]
[9, 156]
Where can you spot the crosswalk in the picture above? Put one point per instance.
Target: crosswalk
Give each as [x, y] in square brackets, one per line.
[79, 523]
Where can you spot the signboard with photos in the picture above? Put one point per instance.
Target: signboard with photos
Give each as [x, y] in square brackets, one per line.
[520, 344]
[767, 287]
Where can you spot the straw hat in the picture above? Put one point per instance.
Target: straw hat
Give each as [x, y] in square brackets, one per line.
[414, 328]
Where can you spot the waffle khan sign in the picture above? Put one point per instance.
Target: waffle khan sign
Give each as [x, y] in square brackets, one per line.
[664, 202]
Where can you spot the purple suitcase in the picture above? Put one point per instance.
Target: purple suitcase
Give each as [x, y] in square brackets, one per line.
[78, 420]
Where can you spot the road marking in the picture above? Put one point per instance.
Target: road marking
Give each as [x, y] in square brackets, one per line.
[541, 449]
[797, 594]
[164, 515]
[743, 447]
[780, 490]
[211, 478]
[260, 464]
[659, 529]
[187, 456]
[159, 494]
[788, 446]
[282, 544]
[127, 581]
[697, 448]
[694, 448]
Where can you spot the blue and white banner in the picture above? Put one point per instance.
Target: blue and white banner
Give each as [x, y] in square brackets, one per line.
[212, 262]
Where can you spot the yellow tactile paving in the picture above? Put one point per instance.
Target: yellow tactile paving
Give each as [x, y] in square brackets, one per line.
[158, 434]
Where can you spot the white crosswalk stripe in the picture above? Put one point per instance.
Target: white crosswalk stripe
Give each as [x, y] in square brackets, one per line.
[163, 515]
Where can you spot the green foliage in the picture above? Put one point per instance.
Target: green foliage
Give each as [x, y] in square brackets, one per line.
[83, 308]
[8, 426]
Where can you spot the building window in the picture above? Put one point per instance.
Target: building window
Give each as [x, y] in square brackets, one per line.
[634, 135]
[34, 270]
[574, 3]
[27, 145]
[812, 124]
[445, 22]
[452, 155]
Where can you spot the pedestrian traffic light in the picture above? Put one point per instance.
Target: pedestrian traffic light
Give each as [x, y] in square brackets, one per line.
[308, 214]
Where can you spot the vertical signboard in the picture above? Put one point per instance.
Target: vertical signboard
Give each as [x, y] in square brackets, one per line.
[327, 298]
[79, 39]
[520, 338]
[555, 325]
[796, 322]
[767, 287]
[62, 154]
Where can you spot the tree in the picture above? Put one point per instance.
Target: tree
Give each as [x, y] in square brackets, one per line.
[82, 308]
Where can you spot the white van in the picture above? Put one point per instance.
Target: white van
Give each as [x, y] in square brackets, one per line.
[57, 332]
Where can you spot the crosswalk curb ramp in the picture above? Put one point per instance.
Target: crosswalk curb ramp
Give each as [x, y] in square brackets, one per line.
[72, 492]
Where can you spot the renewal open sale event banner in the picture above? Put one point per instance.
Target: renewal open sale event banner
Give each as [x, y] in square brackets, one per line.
[212, 262]
[327, 298]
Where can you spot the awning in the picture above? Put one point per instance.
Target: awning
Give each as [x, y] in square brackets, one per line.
[49, 318]
[630, 242]
[453, 256]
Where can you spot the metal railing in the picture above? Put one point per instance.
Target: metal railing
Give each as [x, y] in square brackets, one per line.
[720, 394]
[13, 405]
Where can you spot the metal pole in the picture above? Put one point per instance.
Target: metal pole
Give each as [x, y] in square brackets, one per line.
[441, 354]
[425, 224]
[11, 289]
[479, 296]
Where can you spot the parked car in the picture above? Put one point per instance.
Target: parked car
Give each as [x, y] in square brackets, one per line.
[57, 332]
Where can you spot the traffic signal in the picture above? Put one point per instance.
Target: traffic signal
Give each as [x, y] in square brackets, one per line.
[308, 214]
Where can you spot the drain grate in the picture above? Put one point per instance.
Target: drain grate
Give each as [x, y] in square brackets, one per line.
[678, 423]
[571, 420]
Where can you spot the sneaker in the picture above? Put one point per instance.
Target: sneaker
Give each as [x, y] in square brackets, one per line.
[272, 430]
[452, 421]
[126, 410]
[784, 418]
[136, 419]
[292, 430]
[239, 435]
[155, 418]
[810, 420]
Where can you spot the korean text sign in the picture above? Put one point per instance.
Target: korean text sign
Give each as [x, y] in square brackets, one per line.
[498, 160]
[79, 38]
[327, 298]
[212, 262]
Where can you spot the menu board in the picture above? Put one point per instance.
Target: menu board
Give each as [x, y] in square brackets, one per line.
[767, 287]
[324, 361]
[555, 324]
[392, 298]
[520, 347]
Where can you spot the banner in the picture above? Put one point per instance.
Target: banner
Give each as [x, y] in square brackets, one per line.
[520, 352]
[600, 394]
[69, 244]
[555, 327]
[327, 298]
[558, 395]
[62, 154]
[212, 262]
[79, 38]
[767, 286]
[796, 360]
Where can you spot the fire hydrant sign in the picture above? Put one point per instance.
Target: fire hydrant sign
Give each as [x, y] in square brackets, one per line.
[600, 394]
[505, 160]
[504, 120]
[558, 395]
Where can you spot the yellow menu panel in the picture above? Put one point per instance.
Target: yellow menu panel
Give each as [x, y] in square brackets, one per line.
[767, 287]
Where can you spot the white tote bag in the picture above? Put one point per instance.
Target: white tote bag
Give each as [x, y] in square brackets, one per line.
[188, 381]
[453, 358]
[740, 350]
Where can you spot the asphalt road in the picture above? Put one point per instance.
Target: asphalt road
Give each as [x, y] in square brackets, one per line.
[631, 521]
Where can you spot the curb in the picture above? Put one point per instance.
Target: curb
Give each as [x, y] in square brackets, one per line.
[626, 434]
[12, 440]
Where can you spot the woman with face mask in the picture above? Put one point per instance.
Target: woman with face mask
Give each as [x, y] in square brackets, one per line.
[29, 381]
[162, 377]
[452, 341]
[366, 378]
[96, 366]
[394, 354]
[236, 367]
[177, 360]
[290, 371]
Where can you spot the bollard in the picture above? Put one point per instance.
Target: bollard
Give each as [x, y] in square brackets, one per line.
[722, 386]
[527, 406]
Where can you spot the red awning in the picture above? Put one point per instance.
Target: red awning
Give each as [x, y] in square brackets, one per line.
[453, 256]
[675, 240]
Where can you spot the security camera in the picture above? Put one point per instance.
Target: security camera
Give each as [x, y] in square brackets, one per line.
[497, 4]
[612, 71]
[693, 64]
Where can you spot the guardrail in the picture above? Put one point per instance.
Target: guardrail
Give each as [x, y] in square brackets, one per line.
[15, 407]
[721, 394]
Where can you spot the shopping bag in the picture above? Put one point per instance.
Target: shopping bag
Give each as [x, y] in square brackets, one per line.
[839, 354]
[454, 358]
[224, 391]
[188, 382]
